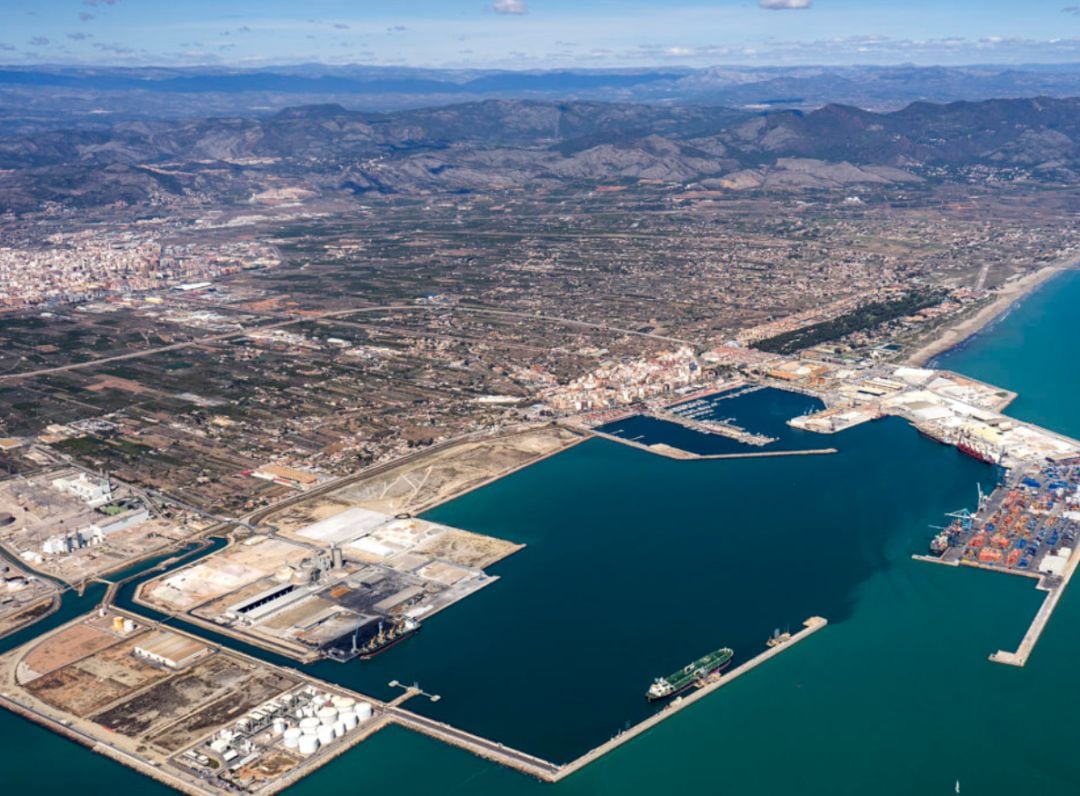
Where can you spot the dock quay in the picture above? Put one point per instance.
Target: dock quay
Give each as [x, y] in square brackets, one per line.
[810, 626]
[550, 772]
[1042, 617]
[719, 427]
[671, 452]
[481, 747]
[1028, 526]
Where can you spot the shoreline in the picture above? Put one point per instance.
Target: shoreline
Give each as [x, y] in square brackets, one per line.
[963, 330]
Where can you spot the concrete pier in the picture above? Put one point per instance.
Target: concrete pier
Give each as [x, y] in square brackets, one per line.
[671, 452]
[550, 772]
[718, 427]
[1054, 591]
[810, 626]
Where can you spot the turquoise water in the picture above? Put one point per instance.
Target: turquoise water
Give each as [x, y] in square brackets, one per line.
[637, 563]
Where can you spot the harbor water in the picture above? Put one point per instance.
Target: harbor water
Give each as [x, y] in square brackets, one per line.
[637, 564]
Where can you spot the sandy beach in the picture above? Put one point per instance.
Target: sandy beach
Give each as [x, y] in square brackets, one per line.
[1006, 296]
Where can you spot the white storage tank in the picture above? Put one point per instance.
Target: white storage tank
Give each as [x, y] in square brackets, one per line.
[339, 729]
[292, 737]
[363, 711]
[328, 715]
[343, 703]
[309, 744]
[326, 734]
[309, 726]
[349, 719]
[279, 726]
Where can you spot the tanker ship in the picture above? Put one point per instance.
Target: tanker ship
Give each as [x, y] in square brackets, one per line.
[691, 674]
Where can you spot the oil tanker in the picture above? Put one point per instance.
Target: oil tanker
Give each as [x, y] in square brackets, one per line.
[691, 674]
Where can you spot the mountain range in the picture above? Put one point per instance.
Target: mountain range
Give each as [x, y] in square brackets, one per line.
[513, 144]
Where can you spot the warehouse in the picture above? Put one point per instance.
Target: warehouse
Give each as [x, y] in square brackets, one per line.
[170, 650]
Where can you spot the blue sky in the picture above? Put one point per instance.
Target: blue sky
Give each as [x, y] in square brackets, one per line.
[538, 33]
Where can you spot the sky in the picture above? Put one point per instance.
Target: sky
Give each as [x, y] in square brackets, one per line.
[534, 34]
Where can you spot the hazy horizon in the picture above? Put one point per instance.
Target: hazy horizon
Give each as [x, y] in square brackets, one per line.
[540, 34]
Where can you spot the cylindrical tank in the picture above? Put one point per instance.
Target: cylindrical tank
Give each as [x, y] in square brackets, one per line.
[339, 729]
[309, 726]
[308, 745]
[219, 745]
[343, 702]
[326, 734]
[349, 719]
[292, 737]
[363, 711]
[279, 726]
[328, 715]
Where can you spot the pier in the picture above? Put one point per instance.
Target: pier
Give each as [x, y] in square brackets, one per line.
[671, 452]
[1042, 616]
[810, 626]
[719, 427]
[550, 772]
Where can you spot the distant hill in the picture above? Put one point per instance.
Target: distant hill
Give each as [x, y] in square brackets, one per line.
[503, 144]
[57, 96]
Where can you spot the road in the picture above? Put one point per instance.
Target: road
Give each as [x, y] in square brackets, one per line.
[513, 758]
[215, 338]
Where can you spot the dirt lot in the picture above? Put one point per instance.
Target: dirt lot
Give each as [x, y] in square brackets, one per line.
[176, 696]
[64, 648]
[221, 573]
[95, 681]
[257, 689]
[433, 479]
[467, 549]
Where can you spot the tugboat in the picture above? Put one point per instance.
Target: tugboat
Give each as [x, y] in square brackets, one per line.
[777, 638]
[940, 543]
[691, 674]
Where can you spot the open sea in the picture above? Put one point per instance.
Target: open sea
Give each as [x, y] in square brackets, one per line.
[636, 564]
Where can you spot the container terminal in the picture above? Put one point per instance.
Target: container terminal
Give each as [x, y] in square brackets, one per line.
[1028, 525]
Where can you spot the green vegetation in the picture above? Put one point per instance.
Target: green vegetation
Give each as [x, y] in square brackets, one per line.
[865, 317]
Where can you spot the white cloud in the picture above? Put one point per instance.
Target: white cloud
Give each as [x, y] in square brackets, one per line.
[783, 5]
[509, 7]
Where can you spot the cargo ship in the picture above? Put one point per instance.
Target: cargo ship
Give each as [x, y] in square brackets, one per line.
[691, 674]
[976, 449]
[387, 638]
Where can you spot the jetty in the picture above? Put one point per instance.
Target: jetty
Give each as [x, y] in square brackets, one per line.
[1055, 588]
[551, 772]
[671, 452]
[723, 428]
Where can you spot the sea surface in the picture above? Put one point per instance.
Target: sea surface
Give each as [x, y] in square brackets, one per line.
[636, 564]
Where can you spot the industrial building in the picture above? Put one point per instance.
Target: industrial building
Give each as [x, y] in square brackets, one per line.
[92, 491]
[170, 650]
